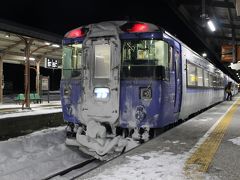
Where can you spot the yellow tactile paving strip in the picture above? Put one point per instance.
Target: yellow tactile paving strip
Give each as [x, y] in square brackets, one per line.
[201, 159]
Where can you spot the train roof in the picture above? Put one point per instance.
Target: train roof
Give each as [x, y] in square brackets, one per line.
[122, 26]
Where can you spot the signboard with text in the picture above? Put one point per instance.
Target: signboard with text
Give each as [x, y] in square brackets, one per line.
[51, 63]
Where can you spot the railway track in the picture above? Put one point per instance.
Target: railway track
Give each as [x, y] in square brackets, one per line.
[75, 170]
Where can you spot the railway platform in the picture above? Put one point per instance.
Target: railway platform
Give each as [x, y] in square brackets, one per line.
[204, 147]
[15, 121]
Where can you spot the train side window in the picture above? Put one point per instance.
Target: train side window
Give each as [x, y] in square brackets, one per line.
[206, 79]
[210, 80]
[102, 61]
[199, 76]
[191, 75]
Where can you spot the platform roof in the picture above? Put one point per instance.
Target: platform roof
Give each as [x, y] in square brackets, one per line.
[226, 16]
[44, 44]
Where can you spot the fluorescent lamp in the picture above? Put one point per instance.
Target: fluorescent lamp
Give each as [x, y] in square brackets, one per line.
[211, 26]
[55, 45]
[47, 43]
[30, 58]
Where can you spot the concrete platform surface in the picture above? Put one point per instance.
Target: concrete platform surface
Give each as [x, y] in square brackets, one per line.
[205, 147]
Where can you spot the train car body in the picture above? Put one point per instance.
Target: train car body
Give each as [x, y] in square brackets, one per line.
[125, 79]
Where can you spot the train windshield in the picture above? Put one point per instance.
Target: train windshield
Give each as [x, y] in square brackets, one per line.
[145, 58]
[72, 61]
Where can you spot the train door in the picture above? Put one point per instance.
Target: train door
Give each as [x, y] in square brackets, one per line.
[101, 82]
[178, 84]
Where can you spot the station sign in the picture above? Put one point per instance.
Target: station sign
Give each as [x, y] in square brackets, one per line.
[230, 53]
[51, 63]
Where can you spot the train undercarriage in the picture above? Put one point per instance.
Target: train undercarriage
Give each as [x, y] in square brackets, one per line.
[102, 141]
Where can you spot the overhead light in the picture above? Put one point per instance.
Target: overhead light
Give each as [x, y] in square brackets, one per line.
[7, 35]
[211, 25]
[204, 55]
[47, 43]
[31, 58]
[55, 45]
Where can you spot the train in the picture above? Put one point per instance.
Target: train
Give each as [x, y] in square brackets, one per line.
[126, 80]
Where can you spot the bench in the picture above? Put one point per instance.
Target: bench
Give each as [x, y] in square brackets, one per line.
[34, 97]
[19, 98]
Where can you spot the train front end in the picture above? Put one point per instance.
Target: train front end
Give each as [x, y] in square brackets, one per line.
[96, 82]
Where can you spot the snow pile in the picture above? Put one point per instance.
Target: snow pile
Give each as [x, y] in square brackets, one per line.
[36, 155]
[152, 165]
[235, 141]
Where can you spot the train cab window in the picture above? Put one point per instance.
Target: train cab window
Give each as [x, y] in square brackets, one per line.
[199, 76]
[67, 63]
[102, 61]
[191, 75]
[72, 60]
[145, 59]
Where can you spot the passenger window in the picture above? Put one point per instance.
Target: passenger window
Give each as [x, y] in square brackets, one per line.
[210, 80]
[206, 79]
[199, 76]
[191, 75]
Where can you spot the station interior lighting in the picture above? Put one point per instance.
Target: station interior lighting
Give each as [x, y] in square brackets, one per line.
[7, 35]
[55, 45]
[47, 43]
[31, 58]
[204, 55]
[211, 26]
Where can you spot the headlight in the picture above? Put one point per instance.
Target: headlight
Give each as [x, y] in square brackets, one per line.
[101, 93]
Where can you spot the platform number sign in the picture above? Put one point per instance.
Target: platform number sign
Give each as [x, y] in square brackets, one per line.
[51, 63]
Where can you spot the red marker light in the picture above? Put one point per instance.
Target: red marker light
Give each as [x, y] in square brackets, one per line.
[139, 28]
[79, 32]
[135, 27]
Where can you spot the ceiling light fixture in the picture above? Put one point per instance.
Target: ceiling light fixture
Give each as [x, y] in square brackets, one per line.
[211, 25]
[55, 45]
[204, 54]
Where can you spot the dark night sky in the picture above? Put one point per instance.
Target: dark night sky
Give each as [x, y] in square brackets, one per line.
[60, 16]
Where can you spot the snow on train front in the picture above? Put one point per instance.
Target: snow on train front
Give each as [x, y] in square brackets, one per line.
[90, 89]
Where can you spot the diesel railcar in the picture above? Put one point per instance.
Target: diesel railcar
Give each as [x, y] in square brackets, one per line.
[124, 79]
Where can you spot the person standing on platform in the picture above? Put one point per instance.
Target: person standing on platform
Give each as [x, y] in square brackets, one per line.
[228, 90]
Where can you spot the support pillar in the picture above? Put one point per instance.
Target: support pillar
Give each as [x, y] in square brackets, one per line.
[27, 74]
[38, 76]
